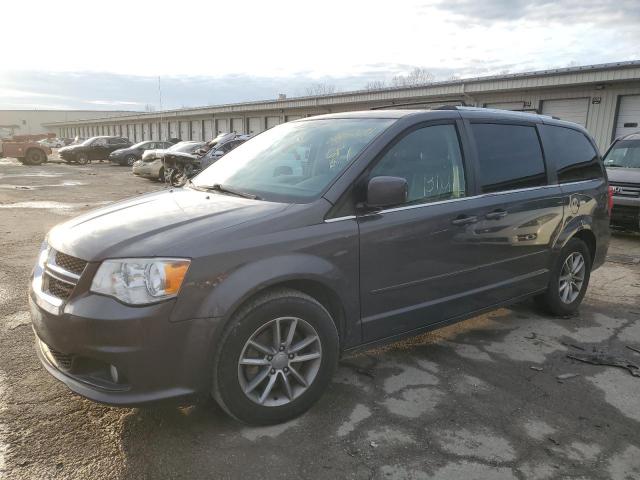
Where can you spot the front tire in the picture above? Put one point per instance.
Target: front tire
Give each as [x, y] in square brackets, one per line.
[35, 157]
[569, 279]
[130, 160]
[276, 358]
[82, 158]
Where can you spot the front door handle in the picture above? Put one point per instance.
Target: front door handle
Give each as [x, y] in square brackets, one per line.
[464, 220]
[496, 215]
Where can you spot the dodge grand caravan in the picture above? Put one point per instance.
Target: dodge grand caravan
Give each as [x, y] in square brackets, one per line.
[312, 239]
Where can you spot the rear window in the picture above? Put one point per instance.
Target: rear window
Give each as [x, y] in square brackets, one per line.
[510, 157]
[572, 154]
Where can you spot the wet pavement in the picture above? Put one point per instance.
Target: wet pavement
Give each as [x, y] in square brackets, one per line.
[494, 397]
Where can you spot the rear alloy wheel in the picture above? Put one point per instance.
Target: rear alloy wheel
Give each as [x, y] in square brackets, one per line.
[35, 157]
[276, 358]
[82, 158]
[130, 159]
[569, 279]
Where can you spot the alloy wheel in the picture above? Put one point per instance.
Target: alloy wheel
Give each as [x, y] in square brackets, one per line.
[280, 361]
[571, 277]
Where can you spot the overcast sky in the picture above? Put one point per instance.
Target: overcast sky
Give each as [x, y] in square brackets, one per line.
[108, 55]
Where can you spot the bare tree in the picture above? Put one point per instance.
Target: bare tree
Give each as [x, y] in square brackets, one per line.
[149, 108]
[375, 85]
[417, 76]
[454, 77]
[320, 89]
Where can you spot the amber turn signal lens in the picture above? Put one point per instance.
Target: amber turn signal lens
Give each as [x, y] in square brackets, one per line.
[174, 275]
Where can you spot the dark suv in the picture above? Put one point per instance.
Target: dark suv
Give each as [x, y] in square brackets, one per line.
[622, 162]
[94, 148]
[314, 238]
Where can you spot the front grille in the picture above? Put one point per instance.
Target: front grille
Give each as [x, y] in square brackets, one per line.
[57, 288]
[628, 190]
[69, 263]
[61, 274]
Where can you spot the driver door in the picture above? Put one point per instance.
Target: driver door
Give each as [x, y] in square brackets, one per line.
[414, 271]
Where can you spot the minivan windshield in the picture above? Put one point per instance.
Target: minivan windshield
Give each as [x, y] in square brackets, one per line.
[293, 162]
[625, 153]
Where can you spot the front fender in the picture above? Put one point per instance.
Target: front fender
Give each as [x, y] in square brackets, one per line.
[228, 291]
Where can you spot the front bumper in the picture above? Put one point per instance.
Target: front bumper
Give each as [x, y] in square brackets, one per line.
[81, 341]
[626, 213]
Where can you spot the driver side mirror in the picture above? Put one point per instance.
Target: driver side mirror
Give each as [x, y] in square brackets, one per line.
[387, 191]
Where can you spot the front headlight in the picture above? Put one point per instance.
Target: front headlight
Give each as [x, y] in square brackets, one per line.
[140, 281]
[44, 254]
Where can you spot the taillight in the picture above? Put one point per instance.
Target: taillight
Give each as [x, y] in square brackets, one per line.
[610, 198]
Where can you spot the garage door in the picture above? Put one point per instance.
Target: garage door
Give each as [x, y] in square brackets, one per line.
[505, 105]
[174, 133]
[196, 130]
[208, 130]
[164, 131]
[273, 121]
[222, 125]
[155, 134]
[291, 118]
[139, 136]
[237, 125]
[184, 130]
[146, 131]
[572, 110]
[628, 120]
[256, 125]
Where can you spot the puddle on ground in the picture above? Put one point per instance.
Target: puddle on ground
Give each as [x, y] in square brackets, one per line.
[30, 174]
[44, 205]
[66, 183]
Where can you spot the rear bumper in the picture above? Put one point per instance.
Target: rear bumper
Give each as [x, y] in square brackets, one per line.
[154, 359]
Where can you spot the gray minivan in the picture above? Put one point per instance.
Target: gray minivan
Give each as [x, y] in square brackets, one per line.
[315, 238]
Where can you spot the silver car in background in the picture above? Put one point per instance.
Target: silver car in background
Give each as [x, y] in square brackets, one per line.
[151, 165]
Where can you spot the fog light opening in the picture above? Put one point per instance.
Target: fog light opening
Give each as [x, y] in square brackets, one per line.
[115, 376]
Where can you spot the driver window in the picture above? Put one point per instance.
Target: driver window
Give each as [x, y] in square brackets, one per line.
[430, 160]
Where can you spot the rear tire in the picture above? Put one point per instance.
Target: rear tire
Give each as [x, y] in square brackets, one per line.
[161, 175]
[285, 379]
[569, 279]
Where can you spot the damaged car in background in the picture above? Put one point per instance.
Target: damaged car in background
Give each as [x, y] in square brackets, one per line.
[151, 165]
[180, 167]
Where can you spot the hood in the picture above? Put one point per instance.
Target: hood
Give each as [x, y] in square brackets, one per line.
[122, 151]
[623, 175]
[69, 148]
[155, 153]
[153, 224]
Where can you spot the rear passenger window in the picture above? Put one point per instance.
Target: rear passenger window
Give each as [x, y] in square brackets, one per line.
[510, 157]
[572, 154]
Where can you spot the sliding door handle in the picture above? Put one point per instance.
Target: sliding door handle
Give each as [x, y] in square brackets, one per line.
[464, 219]
[496, 215]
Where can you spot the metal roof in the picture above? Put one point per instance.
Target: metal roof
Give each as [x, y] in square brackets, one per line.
[588, 74]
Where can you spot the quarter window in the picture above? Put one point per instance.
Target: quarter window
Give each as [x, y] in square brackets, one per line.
[430, 160]
[509, 157]
[572, 154]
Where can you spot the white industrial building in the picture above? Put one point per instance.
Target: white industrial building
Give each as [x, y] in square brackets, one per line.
[603, 98]
[32, 122]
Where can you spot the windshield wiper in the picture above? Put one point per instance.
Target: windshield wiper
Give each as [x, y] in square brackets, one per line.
[223, 189]
[615, 165]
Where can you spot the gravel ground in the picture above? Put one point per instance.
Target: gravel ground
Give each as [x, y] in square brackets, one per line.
[477, 400]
